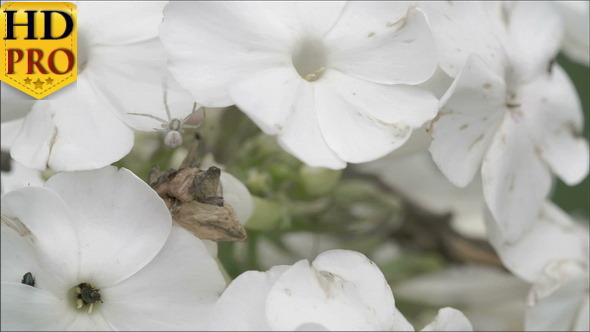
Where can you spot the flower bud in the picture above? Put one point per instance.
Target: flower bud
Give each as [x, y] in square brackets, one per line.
[266, 215]
[318, 181]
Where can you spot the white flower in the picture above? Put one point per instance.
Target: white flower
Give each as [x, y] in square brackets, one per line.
[333, 80]
[110, 230]
[340, 290]
[576, 42]
[120, 65]
[553, 256]
[510, 111]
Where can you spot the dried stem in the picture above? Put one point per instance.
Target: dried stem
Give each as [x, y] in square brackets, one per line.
[423, 230]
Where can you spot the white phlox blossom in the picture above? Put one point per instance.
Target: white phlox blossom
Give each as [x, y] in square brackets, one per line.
[97, 250]
[334, 80]
[340, 290]
[553, 256]
[120, 65]
[511, 111]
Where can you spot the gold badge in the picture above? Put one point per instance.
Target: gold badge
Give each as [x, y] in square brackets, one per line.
[39, 49]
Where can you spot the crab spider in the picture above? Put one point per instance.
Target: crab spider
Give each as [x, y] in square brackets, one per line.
[173, 127]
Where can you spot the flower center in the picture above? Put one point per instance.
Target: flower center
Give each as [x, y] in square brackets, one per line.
[309, 59]
[512, 89]
[86, 296]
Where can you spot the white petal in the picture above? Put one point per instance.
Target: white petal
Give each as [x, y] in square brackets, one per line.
[9, 132]
[515, 181]
[536, 31]
[212, 45]
[19, 256]
[90, 139]
[341, 290]
[86, 322]
[147, 97]
[554, 236]
[302, 136]
[311, 327]
[376, 41]
[26, 308]
[128, 22]
[362, 121]
[211, 247]
[134, 85]
[471, 111]
[237, 196]
[582, 322]
[438, 84]
[15, 103]
[307, 19]
[268, 97]
[175, 291]
[32, 145]
[576, 17]
[465, 286]
[555, 121]
[116, 215]
[41, 216]
[557, 296]
[449, 319]
[397, 104]
[20, 176]
[242, 305]
[461, 28]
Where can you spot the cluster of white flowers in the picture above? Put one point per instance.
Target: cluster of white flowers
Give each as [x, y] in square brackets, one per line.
[493, 119]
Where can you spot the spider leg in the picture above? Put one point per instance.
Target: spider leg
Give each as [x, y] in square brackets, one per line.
[190, 114]
[165, 87]
[150, 116]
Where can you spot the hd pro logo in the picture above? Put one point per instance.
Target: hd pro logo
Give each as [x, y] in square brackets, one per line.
[39, 46]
